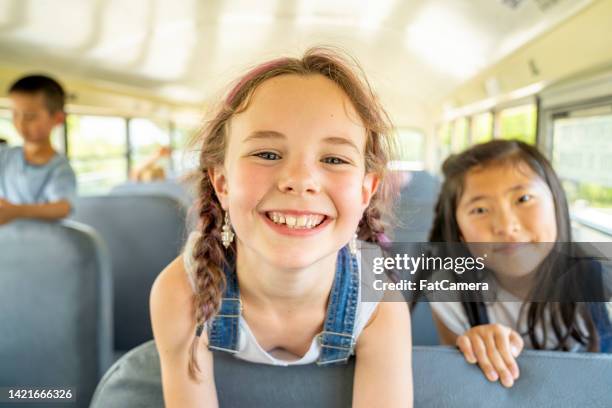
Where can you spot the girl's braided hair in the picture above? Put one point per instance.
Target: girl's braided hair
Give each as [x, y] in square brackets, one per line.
[209, 254]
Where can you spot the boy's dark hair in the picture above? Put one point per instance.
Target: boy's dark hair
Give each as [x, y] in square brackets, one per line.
[3, 141]
[32, 84]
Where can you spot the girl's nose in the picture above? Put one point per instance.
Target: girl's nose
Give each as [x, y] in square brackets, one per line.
[506, 223]
[298, 178]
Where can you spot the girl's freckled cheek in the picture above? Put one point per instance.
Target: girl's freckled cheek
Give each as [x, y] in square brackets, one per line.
[247, 174]
[349, 184]
[347, 192]
[251, 182]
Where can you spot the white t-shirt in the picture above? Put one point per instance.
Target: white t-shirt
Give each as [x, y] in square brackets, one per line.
[505, 313]
[248, 347]
[22, 182]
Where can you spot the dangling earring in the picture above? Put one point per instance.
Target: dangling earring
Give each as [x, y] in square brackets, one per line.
[353, 245]
[227, 235]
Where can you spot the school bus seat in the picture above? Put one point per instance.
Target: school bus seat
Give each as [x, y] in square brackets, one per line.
[413, 222]
[424, 332]
[421, 187]
[170, 188]
[415, 208]
[144, 234]
[442, 378]
[55, 307]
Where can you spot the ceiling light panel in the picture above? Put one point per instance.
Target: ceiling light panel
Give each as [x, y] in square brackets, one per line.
[363, 14]
[152, 38]
[172, 47]
[447, 42]
[242, 32]
[123, 32]
[60, 32]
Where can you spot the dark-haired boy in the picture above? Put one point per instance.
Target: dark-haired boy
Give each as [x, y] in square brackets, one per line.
[35, 181]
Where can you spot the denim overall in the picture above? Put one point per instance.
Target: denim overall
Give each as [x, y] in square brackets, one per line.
[603, 325]
[336, 339]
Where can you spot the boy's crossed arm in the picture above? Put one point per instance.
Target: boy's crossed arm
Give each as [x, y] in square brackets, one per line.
[47, 211]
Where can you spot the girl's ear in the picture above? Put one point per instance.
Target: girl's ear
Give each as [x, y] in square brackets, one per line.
[219, 183]
[371, 182]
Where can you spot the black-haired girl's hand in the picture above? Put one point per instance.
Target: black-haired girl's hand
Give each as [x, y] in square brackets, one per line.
[495, 348]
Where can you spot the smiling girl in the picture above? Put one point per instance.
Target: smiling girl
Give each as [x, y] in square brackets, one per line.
[503, 198]
[292, 171]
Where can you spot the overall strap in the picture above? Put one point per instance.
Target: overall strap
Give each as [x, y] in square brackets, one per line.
[337, 340]
[476, 313]
[592, 274]
[601, 318]
[223, 331]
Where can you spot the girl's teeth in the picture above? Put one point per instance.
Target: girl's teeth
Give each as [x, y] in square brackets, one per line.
[299, 222]
[290, 221]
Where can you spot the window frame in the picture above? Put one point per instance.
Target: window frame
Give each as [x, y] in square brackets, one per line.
[546, 140]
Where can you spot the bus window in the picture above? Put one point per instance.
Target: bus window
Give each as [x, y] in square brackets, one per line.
[185, 157]
[461, 137]
[518, 123]
[146, 137]
[7, 130]
[411, 150]
[445, 136]
[581, 155]
[482, 128]
[97, 149]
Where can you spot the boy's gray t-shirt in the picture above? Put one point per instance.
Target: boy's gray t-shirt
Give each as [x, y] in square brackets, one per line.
[25, 183]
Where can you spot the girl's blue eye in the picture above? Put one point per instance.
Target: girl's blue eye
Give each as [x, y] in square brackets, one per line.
[334, 160]
[268, 155]
[524, 198]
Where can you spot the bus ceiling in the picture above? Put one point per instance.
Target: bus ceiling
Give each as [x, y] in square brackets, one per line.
[418, 55]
